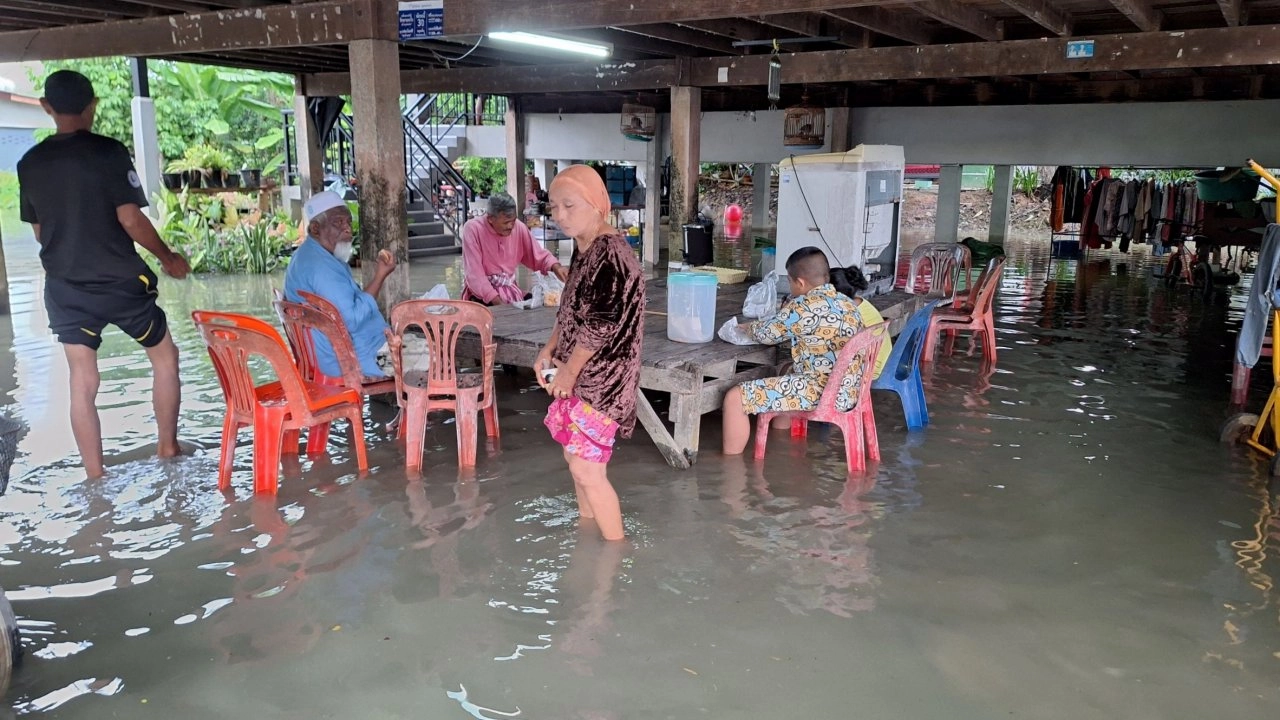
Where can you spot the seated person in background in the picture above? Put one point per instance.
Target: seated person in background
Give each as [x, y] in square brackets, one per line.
[493, 246]
[817, 321]
[319, 266]
[851, 282]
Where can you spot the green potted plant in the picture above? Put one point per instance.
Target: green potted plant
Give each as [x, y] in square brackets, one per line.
[186, 168]
[173, 176]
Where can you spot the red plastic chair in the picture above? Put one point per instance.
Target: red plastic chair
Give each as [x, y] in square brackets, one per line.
[947, 263]
[856, 362]
[274, 409]
[974, 313]
[442, 387]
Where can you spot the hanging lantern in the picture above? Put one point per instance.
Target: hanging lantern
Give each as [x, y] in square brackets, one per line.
[775, 77]
[638, 122]
[804, 126]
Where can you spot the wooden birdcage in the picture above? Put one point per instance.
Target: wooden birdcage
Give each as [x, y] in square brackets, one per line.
[638, 122]
[804, 126]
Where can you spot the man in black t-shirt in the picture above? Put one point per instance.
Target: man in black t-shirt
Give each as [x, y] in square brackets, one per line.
[81, 194]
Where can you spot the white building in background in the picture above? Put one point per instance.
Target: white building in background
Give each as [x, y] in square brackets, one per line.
[20, 114]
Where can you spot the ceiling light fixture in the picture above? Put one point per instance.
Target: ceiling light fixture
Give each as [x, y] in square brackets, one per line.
[550, 42]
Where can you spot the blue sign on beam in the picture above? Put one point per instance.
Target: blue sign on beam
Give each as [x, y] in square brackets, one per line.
[421, 19]
[1076, 49]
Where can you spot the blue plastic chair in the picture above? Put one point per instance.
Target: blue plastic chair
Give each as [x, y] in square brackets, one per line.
[902, 370]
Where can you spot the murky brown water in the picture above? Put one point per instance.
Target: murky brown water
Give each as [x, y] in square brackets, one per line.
[1067, 540]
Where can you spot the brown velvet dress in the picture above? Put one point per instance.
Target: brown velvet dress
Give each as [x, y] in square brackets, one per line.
[602, 308]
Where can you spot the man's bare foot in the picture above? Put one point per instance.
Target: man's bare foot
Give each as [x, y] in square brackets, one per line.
[95, 473]
[165, 450]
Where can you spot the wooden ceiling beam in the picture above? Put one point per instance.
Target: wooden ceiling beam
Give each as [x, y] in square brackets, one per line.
[813, 25]
[577, 77]
[964, 17]
[734, 29]
[683, 36]
[1140, 13]
[476, 17]
[1231, 12]
[325, 22]
[886, 22]
[1045, 15]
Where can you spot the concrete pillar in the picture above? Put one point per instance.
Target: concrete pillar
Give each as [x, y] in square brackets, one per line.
[1001, 194]
[840, 129]
[545, 171]
[146, 139]
[515, 154]
[653, 198]
[307, 145]
[380, 162]
[562, 165]
[761, 182]
[686, 153]
[146, 145]
[947, 224]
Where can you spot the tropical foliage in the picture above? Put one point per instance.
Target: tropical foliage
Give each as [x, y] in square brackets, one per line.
[218, 234]
[237, 111]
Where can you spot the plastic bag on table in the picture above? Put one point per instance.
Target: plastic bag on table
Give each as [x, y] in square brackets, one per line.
[733, 333]
[439, 292]
[762, 298]
[546, 291]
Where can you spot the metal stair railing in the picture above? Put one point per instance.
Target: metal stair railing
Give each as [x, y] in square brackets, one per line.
[446, 189]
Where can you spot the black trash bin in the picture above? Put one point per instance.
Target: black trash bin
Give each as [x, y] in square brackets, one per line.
[697, 244]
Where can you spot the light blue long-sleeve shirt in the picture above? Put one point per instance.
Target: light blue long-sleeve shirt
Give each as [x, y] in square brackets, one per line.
[317, 271]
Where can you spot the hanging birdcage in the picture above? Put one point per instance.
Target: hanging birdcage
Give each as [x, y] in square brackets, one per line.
[804, 126]
[638, 122]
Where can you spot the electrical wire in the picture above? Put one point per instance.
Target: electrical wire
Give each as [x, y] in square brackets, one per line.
[812, 217]
[463, 56]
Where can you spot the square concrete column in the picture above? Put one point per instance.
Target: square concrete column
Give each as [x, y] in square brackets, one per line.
[653, 197]
[1001, 196]
[146, 147]
[515, 154]
[380, 172]
[545, 171]
[762, 191]
[840, 129]
[947, 222]
[686, 154]
[306, 140]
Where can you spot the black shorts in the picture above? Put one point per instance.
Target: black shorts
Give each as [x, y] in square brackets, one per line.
[79, 313]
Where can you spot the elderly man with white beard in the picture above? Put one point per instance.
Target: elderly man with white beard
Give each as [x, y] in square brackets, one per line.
[319, 266]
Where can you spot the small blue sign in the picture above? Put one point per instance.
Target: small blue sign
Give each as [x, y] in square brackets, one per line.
[421, 19]
[1076, 49]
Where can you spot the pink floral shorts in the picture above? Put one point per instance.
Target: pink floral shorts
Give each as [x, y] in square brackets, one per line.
[581, 429]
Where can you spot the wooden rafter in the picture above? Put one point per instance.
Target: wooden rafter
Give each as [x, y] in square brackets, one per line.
[812, 25]
[734, 28]
[885, 22]
[683, 36]
[965, 17]
[1044, 14]
[1231, 11]
[899, 25]
[1140, 13]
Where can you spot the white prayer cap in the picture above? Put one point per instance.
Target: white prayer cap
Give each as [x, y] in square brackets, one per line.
[321, 203]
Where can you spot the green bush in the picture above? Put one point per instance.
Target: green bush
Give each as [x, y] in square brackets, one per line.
[486, 176]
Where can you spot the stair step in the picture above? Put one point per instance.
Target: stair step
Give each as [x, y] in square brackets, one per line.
[426, 229]
[438, 240]
[428, 252]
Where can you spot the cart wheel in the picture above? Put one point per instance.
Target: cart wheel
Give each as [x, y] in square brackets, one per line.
[1237, 427]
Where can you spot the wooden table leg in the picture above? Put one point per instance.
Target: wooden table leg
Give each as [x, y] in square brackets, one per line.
[686, 411]
[667, 445]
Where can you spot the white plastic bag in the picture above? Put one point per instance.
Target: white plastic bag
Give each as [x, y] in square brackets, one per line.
[439, 292]
[546, 291]
[732, 332]
[762, 298]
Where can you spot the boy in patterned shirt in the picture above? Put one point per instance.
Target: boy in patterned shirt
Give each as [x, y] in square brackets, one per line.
[817, 321]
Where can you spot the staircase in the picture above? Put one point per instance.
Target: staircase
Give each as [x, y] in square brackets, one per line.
[437, 197]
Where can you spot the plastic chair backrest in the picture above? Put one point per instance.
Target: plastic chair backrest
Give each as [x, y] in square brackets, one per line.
[442, 322]
[863, 347]
[232, 339]
[945, 260]
[301, 322]
[339, 338]
[984, 290]
[906, 351]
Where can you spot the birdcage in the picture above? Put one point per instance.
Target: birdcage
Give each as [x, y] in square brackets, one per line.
[804, 126]
[638, 122]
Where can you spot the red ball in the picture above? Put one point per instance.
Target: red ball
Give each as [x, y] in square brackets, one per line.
[732, 214]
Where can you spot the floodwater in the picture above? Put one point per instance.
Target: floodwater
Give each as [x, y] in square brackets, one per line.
[1068, 539]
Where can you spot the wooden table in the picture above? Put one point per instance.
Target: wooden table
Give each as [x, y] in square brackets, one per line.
[696, 375]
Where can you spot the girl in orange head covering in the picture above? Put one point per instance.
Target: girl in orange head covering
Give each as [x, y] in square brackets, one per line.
[594, 349]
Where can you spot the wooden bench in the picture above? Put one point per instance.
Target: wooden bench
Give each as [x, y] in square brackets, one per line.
[696, 375]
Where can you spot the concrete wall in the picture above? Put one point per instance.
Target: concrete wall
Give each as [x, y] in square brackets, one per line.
[726, 137]
[1203, 134]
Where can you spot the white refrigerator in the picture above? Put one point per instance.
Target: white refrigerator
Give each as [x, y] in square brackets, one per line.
[849, 205]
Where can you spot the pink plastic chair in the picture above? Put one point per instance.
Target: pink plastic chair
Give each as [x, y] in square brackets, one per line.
[442, 387]
[857, 359]
[276, 409]
[974, 313]
[946, 263]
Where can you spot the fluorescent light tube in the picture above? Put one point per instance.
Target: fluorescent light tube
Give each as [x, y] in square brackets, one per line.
[548, 42]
